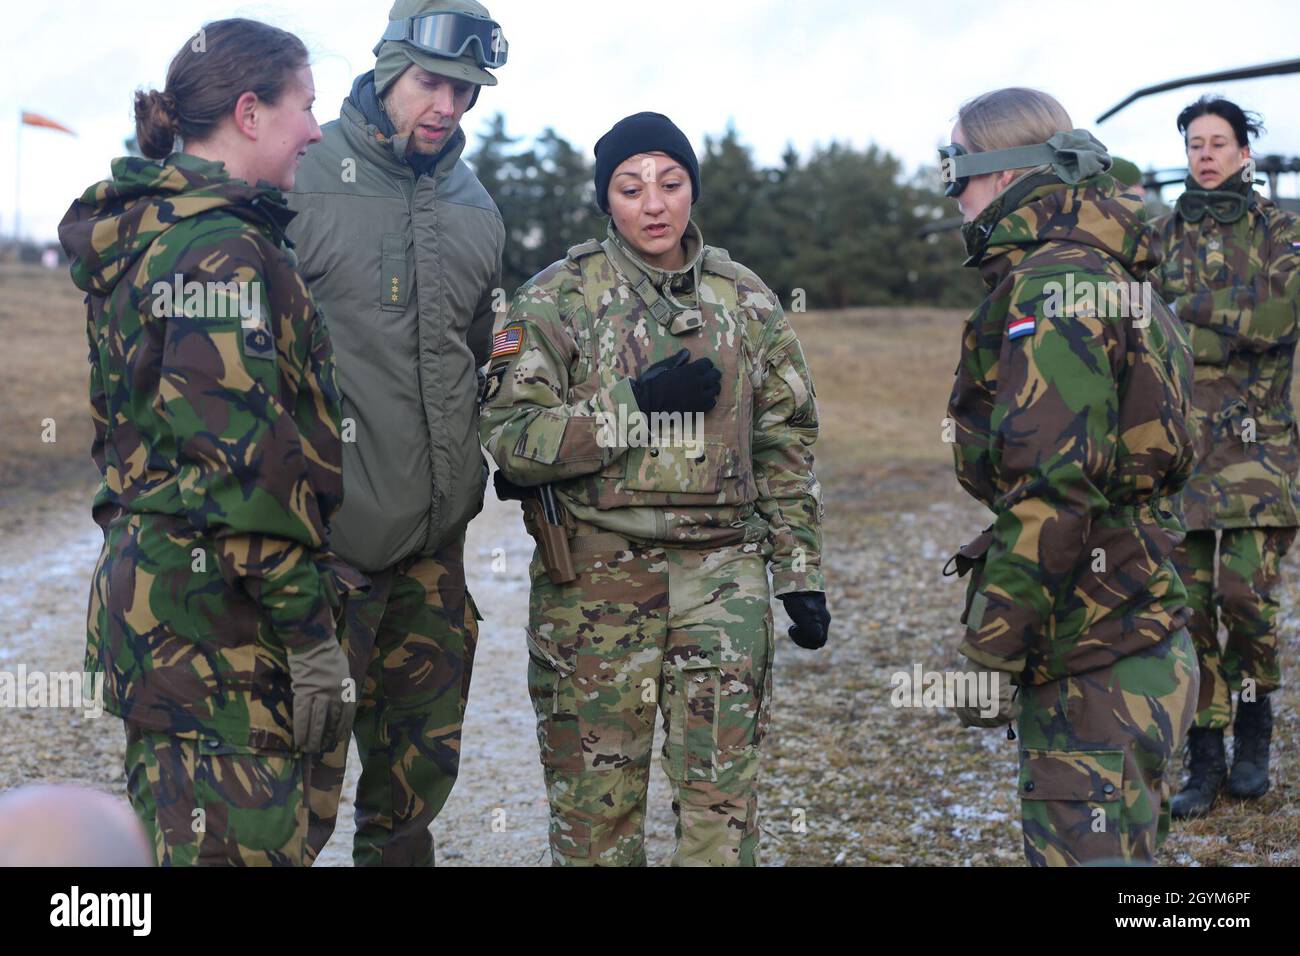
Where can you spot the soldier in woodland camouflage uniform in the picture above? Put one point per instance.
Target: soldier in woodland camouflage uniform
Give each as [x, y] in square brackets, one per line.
[671, 534]
[217, 437]
[1232, 274]
[1069, 408]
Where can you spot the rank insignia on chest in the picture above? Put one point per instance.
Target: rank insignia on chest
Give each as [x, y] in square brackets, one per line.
[1022, 326]
[507, 342]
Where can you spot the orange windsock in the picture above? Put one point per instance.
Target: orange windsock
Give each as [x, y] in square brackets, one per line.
[36, 119]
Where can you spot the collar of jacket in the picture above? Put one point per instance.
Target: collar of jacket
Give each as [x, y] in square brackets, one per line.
[1041, 210]
[260, 203]
[114, 222]
[668, 293]
[979, 230]
[1233, 185]
[685, 279]
[367, 125]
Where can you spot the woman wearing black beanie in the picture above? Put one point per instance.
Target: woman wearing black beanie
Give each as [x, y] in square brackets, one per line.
[655, 388]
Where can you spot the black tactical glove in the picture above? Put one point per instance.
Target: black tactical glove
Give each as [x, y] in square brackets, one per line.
[812, 621]
[673, 385]
[507, 490]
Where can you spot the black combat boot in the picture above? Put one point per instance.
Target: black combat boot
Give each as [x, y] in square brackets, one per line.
[1252, 731]
[1208, 765]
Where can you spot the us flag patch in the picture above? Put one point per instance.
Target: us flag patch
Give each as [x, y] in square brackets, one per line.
[507, 342]
[1022, 326]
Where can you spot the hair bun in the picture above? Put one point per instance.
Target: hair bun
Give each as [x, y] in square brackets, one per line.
[166, 105]
[156, 123]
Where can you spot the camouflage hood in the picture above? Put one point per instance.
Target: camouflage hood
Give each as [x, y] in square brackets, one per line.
[116, 220]
[1041, 209]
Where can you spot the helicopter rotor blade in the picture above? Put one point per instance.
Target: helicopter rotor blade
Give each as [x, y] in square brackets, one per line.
[1244, 73]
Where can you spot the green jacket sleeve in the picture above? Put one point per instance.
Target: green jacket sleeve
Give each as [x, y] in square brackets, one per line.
[785, 428]
[1053, 418]
[242, 462]
[528, 425]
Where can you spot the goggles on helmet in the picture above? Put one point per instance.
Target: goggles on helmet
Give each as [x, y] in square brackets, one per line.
[449, 34]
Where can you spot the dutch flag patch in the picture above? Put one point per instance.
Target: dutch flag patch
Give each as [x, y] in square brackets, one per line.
[1022, 326]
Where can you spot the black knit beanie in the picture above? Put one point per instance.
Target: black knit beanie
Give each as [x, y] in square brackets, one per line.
[642, 133]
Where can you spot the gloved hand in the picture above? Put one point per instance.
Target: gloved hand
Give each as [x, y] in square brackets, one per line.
[321, 717]
[812, 621]
[999, 687]
[673, 385]
[507, 490]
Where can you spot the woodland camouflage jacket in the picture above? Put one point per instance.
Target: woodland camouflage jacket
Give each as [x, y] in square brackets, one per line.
[1236, 288]
[217, 438]
[1069, 413]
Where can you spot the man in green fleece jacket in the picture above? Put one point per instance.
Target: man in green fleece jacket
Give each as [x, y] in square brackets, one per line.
[401, 246]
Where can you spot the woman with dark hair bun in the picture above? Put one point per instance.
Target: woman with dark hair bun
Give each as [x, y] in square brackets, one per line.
[1231, 274]
[212, 610]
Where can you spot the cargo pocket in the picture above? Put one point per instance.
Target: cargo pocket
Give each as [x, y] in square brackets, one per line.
[394, 272]
[549, 687]
[668, 469]
[692, 744]
[1075, 797]
[233, 784]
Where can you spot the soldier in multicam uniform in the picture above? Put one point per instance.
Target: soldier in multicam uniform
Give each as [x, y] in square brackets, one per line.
[217, 437]
[1232, 273]
[670, 533]
[1070, 426]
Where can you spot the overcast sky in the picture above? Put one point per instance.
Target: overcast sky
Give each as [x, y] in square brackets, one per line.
[800, 72]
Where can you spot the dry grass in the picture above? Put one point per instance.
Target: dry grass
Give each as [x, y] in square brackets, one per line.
[43, 330]
[883, 377]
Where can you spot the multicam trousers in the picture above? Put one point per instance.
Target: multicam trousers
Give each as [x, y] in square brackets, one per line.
[410, 642]
[682, 631]
[1248, 565]
[1097, 753]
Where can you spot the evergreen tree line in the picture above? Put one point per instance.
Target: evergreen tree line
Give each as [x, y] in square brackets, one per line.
[842, 224]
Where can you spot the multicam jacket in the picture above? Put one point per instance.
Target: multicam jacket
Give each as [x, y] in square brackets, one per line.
[217, 438]
[559, 406]
[1236, 287]
[1068, 413]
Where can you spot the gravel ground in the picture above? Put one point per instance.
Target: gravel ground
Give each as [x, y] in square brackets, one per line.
[847, 778]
